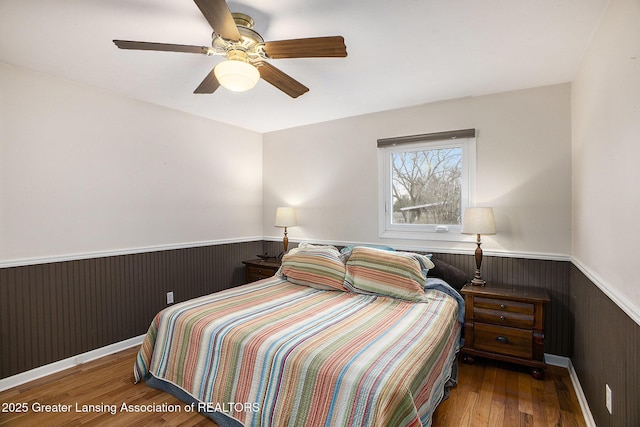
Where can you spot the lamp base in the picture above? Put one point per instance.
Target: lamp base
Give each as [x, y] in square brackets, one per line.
[285, 240]
[478, 281]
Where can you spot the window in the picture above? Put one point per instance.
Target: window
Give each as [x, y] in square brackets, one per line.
[426, 181]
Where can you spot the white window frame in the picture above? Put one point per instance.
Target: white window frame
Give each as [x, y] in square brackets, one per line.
[423, 231]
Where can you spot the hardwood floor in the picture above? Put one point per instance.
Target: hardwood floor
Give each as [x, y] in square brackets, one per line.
[488, 394]
[107, 381]
[495, 394]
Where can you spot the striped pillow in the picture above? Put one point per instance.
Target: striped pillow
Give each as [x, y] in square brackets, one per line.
[396, 274]
[318, 267]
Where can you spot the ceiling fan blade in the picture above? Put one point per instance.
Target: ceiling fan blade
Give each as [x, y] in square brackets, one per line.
[163, 47]
[219, 17]
[315, 47]
[282, 81]
[209, 84]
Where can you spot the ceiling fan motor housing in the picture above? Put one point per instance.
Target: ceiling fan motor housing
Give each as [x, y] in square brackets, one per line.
[251, 43]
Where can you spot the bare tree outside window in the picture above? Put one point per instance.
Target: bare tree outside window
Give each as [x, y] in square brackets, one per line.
[426, 186]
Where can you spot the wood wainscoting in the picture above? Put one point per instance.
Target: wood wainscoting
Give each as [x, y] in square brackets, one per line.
[606, 350]
[53, 311]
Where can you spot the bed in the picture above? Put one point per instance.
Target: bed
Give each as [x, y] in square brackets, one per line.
[362, 339]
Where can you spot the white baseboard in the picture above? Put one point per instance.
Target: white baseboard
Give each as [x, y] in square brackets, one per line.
[565, 362]
[582, 399]
[61, 365]
[553, 360]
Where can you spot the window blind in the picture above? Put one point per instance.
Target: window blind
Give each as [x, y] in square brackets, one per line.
[434, 136]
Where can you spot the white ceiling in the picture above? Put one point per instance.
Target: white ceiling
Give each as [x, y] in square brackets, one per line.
[401, 53]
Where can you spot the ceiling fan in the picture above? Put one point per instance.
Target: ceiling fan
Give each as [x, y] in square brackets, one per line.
[246, 52]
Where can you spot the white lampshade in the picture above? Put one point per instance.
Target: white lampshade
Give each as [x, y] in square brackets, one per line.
[235, 75]
[286, 217]
[478, 221]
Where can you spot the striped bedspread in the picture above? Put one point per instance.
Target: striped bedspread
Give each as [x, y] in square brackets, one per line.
[273, 353]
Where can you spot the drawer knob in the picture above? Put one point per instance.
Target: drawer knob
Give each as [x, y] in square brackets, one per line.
[502, 318]
[502, 340]
[502, 306]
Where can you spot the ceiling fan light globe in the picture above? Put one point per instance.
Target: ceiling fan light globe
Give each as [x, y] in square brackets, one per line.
[237, 76]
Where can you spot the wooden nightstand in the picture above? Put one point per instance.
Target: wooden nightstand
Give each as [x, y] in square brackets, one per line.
[505, 323]
[256, 269]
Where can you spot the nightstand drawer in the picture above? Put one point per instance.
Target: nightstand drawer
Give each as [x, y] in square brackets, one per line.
[504, 340]
[503, 317]
[258, 269]
[260, 272]
[504, 305]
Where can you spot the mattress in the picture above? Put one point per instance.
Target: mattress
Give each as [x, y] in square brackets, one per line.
[275, 353]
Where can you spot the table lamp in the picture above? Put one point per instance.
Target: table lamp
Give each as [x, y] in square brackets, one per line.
[285, 217]
[478, 221]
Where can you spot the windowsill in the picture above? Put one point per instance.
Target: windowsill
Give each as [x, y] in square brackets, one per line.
[418, 235]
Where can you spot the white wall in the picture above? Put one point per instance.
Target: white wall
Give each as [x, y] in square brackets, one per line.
[83, 170]
[329, 170]
[606, 153]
